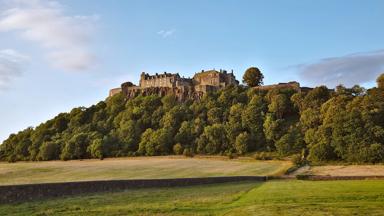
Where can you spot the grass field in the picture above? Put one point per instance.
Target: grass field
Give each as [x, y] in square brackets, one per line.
[344, 170]
[290, 197]
[135, 168]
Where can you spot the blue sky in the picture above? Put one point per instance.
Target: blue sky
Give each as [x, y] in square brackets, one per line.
[56, 55]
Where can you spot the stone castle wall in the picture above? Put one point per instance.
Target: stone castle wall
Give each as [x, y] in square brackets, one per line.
[114, 91]
[162, 80]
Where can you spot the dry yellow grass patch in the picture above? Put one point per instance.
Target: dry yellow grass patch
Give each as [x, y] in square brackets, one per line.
[135, 168]
[344, 170]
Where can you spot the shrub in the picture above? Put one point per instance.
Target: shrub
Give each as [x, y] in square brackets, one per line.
[232, 155]
[49, 151]
[242, 143]
[188, 152]
[297, 159]
[263, 156]
[178, 149]
[96, 149]
[12, 159]
[321, 152]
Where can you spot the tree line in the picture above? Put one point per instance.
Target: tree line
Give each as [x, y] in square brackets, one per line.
[344, 124]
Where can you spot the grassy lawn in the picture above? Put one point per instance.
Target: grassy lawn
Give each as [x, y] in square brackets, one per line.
[135, 168]
[291, 197]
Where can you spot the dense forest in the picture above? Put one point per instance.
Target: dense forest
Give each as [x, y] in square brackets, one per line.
[344, 124]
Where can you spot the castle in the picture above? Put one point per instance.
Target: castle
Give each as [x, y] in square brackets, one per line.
[182, 88]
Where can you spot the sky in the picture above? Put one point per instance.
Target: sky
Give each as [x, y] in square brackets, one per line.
[57, 55]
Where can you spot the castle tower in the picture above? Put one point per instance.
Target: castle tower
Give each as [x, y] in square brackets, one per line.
[142, 78]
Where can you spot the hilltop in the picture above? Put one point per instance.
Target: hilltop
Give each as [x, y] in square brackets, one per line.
[308, 125]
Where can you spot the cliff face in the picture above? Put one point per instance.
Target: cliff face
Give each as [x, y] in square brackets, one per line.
[180, 93]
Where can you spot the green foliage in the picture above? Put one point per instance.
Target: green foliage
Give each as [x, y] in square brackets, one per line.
[279, 105]
[273, 128]
[96, 149]
[380, 81]
[253, 77]
[290, 143]
[178, 149]
[242, 143]
[155, 142]
[346, 124]
[188, 152]
[213, 140]
[186, 135]
[265, 155]
[76, 147]
[49, 151]
[297, 159]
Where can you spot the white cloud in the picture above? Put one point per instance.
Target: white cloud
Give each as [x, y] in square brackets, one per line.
[166, 33]
[11, 63]
[65, 38]
[357, 68]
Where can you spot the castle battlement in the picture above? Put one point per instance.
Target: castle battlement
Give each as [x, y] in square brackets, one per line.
[147, 76]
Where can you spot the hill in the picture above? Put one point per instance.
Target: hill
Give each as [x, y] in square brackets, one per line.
[346, 124]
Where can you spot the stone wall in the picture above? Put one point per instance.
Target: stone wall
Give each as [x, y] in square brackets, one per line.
[114, 91]
[163, 81]
[20, 193]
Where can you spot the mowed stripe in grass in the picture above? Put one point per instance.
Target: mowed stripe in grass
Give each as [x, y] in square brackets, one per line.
[290, 197]
[135, 168]
[313, 198]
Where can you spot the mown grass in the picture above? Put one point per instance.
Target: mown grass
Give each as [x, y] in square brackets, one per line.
[291, 197]
[135, 168]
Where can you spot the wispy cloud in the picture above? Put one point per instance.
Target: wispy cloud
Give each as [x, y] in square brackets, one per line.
[65, 38]
[166, 33]
[357, 68]
[11, 64]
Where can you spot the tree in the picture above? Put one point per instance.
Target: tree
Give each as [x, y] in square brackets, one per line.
[316, 97]
[242, 143]
[155, 142]
[297, 100]
[279, 105]
[146, 147]
[273, 128]
[49, 151]
[380, 81]
[253, 77]
[177, 149]
[252, 120]
[96, 149]
[234, 125]
[76, 147]
[185, 136]
[215, 115]
[213, 140]
[291, 142]
[169, 101]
